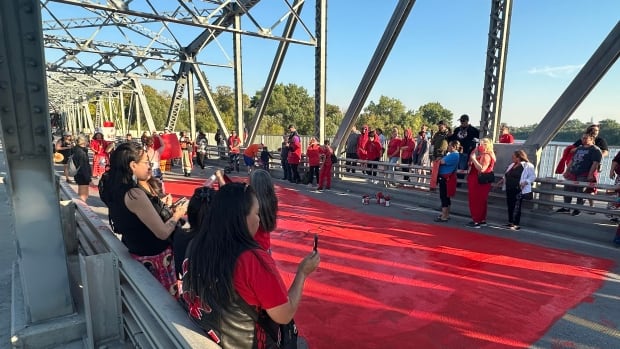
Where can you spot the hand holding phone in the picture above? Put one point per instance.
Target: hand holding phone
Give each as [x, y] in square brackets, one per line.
[179, 202]
[316, 242]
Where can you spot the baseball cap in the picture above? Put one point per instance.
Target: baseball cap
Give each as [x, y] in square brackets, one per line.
[441, 122]
[464, 117]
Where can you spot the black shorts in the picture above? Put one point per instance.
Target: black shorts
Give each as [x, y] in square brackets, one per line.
[81, 180]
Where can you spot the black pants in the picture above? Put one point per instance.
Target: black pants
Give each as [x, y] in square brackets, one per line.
[351, 163]
[295, 173]
[286, 169]
[407, 161]
[371, 167]
[513, 201]
[200, 159]
[443, 191]
[314, 172]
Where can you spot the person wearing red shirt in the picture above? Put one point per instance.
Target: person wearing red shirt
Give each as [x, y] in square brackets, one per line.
[314, 160]
[393, 150]
[361, 143]
[325, 176]
[481, 160]
[506, 137]
[373, 152]
[101, 153]
[226, 269]
[234, 144]
[294, 154]
[250, 154]
[406, 156]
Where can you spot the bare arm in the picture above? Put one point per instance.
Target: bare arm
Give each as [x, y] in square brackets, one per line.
[283, 314]
[142, 207]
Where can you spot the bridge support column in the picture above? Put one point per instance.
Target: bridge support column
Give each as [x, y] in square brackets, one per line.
[42, 301]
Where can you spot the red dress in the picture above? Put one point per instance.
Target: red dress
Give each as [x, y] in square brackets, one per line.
[101, 158]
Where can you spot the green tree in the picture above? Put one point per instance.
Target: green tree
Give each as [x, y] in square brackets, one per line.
[432, 113]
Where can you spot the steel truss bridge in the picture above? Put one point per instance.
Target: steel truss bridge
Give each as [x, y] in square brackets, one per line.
[97, 51]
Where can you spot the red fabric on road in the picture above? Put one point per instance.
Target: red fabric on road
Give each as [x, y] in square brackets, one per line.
[397, 283]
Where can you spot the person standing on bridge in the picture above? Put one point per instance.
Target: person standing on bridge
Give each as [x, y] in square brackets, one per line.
[517, 182]
[231, 286]
[325, 175]
[65, 147]
[467, 135]
[294, 154]
[505, 136]
[481, 160]
[351, 149]
[80, 158]
[446, 179]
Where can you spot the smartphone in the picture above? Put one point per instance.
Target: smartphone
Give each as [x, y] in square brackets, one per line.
[316, 242]
[179, 201]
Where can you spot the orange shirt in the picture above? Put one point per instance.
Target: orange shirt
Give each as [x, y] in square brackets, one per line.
[252, 150]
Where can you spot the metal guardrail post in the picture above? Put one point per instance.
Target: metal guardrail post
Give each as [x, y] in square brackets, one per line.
[547, 187]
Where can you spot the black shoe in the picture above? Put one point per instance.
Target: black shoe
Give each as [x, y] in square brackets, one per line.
[483, 224]
[575, 213]
[473, 224]
[562, 210]
[509, 225]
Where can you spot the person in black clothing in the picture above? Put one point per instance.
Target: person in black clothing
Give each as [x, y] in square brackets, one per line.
[84, 173]
[468, 136]
[65, 147]
[286, 169]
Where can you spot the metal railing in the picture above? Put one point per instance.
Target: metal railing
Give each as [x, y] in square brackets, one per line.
[145, 315]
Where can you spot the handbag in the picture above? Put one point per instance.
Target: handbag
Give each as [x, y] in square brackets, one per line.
[486, 178]
[282, 336]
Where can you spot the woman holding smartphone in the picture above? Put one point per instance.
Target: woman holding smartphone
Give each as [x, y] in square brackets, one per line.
[135, 213]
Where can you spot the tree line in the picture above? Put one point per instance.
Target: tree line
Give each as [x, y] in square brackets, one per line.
[293, 104]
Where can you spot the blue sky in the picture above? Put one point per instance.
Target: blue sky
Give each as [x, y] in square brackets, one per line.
[440, 54]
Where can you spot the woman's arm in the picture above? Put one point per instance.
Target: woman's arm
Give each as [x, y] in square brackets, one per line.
[138, 203]
[283, 314]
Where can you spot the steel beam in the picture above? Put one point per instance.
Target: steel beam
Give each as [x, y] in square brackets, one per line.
[144, 104]
[238, 77]
[497, 50]
[599, 63]
[272, 77]
[204, 86]
[177, 96]
[26, 137]
[320, 70]
[401, 12]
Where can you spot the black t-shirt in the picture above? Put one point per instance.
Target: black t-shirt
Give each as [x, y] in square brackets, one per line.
[138, 238]
[465, 135]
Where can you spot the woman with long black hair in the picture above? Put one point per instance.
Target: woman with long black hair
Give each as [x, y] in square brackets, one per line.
[227, 272]
[134, 215]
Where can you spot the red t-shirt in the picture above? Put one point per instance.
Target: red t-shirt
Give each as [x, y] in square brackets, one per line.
[393, 149]
[263, 238]
[257, 280]
[506, 138]
[313, 155]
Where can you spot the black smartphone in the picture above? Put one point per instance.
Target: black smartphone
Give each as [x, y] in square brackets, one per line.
[316, 242]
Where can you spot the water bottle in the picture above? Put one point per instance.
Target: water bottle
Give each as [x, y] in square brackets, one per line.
[209, 182]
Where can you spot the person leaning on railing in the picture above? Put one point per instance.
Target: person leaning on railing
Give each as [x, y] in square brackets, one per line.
[582, 168]
[231, 286]
[133, 214]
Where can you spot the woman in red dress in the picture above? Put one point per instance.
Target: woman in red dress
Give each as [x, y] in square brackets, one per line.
[101, 156]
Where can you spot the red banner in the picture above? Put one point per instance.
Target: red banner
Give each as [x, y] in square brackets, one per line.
[172, 148]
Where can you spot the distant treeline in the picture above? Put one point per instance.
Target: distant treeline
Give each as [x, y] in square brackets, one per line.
[573, 129]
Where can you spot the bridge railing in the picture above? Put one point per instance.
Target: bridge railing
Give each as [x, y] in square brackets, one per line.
[138, 309]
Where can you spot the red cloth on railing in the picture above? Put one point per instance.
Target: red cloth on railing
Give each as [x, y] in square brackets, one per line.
[567, 156]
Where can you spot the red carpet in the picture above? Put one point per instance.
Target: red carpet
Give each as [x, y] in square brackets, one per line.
[390, 283]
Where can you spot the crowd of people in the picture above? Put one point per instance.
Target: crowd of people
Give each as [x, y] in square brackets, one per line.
[213, 251]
